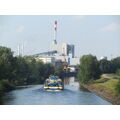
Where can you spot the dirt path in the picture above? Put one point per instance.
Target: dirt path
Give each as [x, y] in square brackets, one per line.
[106, 76]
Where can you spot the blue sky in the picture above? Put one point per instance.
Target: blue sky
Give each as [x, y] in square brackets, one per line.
[95, 34]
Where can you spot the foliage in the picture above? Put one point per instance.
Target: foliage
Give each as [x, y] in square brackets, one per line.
[49, 69]
[89, 69]
[30, 71]
[115, 64]
[105, 66]
[118, 72]
[118, 84]
[59, 71]
[6, 62]
[21, 70]
[111, 66]
[109, 85]
[118, 87]
[6, 86]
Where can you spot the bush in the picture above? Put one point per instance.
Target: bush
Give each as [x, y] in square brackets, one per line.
[89, 69]
[105, 66]
[6, 86]
[59, 71]
[118, 72]
[118, 87]
[115, 64]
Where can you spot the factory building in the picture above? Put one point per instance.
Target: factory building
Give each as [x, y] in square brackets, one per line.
[59, 52]
[47, 60]
[64, 49]
[103, 58]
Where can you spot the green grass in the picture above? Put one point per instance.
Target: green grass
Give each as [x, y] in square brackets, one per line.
[108, 84]
[113, 76]
[101, 80]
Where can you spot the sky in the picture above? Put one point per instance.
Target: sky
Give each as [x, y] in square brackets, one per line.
[91, 34]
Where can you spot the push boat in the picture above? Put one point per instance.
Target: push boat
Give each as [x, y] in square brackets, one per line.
[53, 83]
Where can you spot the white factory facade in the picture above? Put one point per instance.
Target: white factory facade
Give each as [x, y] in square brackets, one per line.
[59, 52]
[63, 52]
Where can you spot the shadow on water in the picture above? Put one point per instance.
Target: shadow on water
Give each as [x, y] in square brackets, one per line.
[7, 97]
[1, 101]
[24, 87]
[83, 89]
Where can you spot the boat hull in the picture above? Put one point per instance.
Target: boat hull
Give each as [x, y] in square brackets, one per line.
[53, 87]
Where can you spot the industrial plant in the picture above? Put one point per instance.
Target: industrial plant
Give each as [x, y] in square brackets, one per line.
[60, 54]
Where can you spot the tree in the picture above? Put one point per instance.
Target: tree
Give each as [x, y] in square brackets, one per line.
[89, 69]
[32, 71]
[105, 66]
[6, 61]
[118, 72]
[49, 69]
[115, 64]
[22, 71]
[59, 71]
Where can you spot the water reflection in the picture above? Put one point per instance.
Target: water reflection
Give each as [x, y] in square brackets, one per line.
[83, 89]
[71, 95]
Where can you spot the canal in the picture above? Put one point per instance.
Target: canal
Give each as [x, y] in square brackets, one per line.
[35, 95]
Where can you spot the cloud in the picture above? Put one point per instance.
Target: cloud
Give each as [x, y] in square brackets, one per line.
[111, 27]
[20, 29]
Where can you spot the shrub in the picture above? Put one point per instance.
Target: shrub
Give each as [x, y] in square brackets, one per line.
[118, 72]
[118, 87]
[6, 86]
[89, 69]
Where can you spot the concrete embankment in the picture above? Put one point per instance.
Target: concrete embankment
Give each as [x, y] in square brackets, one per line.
[102, 92]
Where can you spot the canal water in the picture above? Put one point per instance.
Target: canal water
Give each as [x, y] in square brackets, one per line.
[35, 95]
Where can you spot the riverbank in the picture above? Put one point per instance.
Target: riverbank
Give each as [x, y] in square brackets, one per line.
[6, 86]
[105, 88]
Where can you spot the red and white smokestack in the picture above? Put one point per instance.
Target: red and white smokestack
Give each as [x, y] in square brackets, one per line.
[55, 32]
[55, 25]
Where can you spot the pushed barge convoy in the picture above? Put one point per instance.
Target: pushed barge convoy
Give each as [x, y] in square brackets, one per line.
[53, 83]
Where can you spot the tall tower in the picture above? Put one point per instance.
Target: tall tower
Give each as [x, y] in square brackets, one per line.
[55, 33]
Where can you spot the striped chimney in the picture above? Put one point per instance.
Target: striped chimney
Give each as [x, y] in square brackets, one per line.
[55, 32]
[55, 25]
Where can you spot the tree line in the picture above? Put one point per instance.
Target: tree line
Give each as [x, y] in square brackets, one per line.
[18, 70]
[90, 68]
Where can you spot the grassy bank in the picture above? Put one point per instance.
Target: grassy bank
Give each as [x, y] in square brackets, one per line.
[105, 87]
[5, 86]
